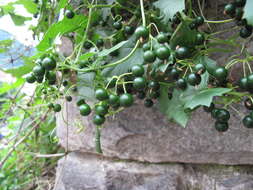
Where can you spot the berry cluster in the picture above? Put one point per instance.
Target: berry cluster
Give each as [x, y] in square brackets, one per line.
[235, 10]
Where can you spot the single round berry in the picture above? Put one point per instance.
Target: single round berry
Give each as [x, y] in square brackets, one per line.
[139, 83]
[181, 84]
[69, 14]
[162, 38]
[101, 94]
[210, 108]
[141, 32]
[182, 53]
[194, 79]
[87, 45]
[199, 68]
[68, 98]
[129, 30]
[39, 79]
[149, 56]
[126, 100]
[199, 20]
[80, 102]
[113, 99]
[38, 70]
[230, 9]
[223, 115]
[245, 33]
[146, 47]
[162, 52]
[148, 103]
[243, 83]
[57, 108]
[48, 63]
[220, 73]
[101, 110]
[248, 104]
[248, 121]
[51, 75]
[137, 70]
[84, 109]
[117, 25]
[221, 126]
[154, 85]
[200, 38]
[100, 42]
[174, 73]
[98, 119]
[30, 78]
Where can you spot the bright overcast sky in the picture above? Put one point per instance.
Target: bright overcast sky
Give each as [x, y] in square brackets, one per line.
[21, 33]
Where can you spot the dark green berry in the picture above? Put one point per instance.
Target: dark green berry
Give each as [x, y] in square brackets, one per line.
[248, 121]
[245, 33]
[101, 94]
[162, 52]
[181, 84]
[221, 126]
[84, 109]
[222, 115]
[149, 56]
[117, 25]
[30, 78]
[141, 32]
[113, 99]
[221, 73]
[98, 120]
[69, 14]
[148, 103]
[39, 70]
[194, 79]
[101, 110]
[138, 70]
[154, 85]
[129, 30]
[162, 38]
[68, 98]
[48, 63]
[80, 102]
[126, 100]
[182, 53]
[57, 108]
[139, 83]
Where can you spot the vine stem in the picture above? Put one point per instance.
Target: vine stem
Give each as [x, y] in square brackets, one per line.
[85, 34]
[219, 21]
[143, 13]
[97, 140]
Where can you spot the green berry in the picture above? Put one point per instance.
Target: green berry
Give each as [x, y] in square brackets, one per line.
[101, 94]
[248, 121]
[48, 63]
[30, 78]
[57, 108]
[69, 14]
[141, 32]
[101, 110]
[162, 52]
[149, 56]
[117, 25]
[98, 120]
[84, 109]
[194, 79]
[38, 70]
[80, 102]
[148, 103]
[138, 70]
[221, 73]
[113, 99]
[68, 98]
[181, 84]
[126, 100]
[182, 53]
[139, 83]
[162, 38]
[222, 115]
[221, 126]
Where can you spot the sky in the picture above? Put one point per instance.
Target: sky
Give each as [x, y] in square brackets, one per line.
[21, 33]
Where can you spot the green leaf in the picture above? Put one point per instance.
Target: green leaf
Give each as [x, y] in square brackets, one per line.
[29, 5]
[19, 20]
[85, 84]
[183, 36]
[86, 56]
[106, 52]
[174, 108]
[248, 13]
[170, 7]
[64, 26]
[205, 97]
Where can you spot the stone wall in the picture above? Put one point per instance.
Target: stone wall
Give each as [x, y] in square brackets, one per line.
[143, 151]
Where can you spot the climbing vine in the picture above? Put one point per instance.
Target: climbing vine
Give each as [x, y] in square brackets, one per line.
[156, 52]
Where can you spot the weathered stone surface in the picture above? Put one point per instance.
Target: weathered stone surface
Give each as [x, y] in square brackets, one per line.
[145, 134]
[90, 172]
